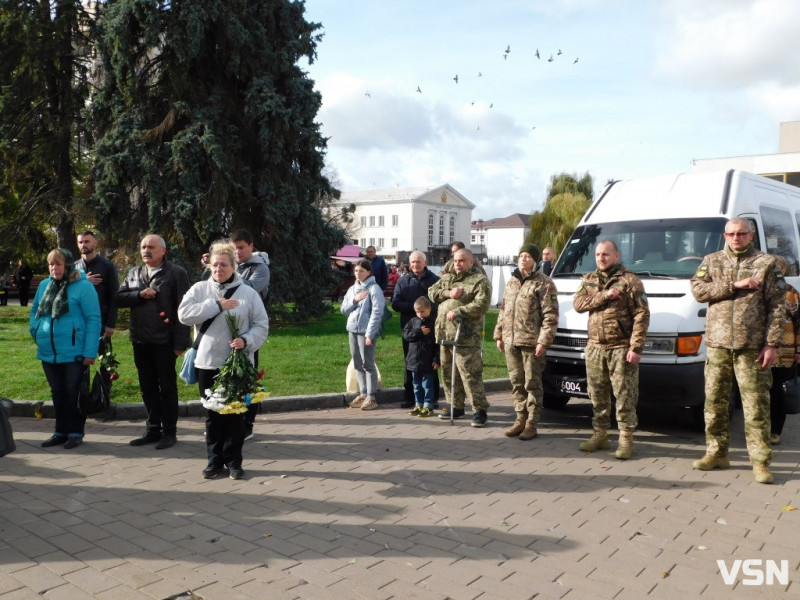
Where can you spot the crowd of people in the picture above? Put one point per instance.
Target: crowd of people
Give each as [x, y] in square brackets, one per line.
[753, 324]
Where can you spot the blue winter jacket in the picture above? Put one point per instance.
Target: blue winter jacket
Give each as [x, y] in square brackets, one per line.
[74, 335]
[365, 317]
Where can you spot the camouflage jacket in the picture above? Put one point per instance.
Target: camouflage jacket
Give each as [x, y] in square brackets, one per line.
[741, 319]
[530, 311]
[471, 306]
[620, 323]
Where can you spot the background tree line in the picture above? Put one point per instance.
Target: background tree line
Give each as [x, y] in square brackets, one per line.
[185, 119]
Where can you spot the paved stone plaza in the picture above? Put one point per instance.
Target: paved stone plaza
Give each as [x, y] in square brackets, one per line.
[338, 503]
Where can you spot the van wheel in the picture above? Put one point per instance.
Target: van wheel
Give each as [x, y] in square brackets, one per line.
[555, 402]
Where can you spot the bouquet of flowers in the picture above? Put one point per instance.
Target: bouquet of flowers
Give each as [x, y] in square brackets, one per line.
[108, 363]
[236, 387]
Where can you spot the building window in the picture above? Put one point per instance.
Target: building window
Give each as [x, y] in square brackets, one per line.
[441, 230]
[372, 221]
[371, 241]
[430, 229]
[363, 221]
[395, 220]
[394, 242]
[380, 221]
[380, 242]
[363, 242]
[452, 228]
[472, 239]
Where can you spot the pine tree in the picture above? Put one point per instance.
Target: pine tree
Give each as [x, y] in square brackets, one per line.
[205, 124]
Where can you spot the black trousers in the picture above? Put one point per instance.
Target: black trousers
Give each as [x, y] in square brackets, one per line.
[253, 409]
[159, 384]
[224, 433]
[777, 401]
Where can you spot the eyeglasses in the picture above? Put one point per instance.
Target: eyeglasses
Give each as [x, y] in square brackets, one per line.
[737, 233]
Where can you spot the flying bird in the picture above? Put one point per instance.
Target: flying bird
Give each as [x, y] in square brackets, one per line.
[508, 49]
[480, 74]
[559, 52]
[367, 94]
[491, 105]
[537, 54]
[455, 78]
[550, 59]
[575, 61]
[419, 90]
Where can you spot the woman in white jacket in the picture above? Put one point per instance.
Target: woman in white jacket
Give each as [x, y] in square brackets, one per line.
[363, 304]
[206, 300]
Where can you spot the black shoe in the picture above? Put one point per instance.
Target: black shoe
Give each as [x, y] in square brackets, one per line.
[167, 441]
[72, 442]
[151, 437]
[235, 472]
[457, 413]
[211, 471]
[55, 440]
[407, 404]
[479, 418]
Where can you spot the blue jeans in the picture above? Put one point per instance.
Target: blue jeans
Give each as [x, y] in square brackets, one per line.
[65, 380]
[424, 388]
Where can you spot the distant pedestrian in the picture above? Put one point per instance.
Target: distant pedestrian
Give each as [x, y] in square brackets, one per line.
[422, 359]
[24, 277]
[363, 306]
[379, 269]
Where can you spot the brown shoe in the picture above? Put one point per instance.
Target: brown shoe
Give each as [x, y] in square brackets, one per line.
[710, 462]
[516, 428]
[529, 432]
[762, 474]
[598, 441]
[625, 446]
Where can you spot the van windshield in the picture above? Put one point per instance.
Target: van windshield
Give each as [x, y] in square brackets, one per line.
[663, 248]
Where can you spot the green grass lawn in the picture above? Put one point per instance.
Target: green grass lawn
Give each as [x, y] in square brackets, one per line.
[299, 360]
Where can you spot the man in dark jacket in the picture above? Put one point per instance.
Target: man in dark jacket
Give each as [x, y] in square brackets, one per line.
[153, 292]
[379, 269]
[102, 273]
[410, 287]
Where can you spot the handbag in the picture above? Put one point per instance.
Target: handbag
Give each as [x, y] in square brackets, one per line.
[94, 395]
[791, 394]
[188, 372]
[7, 444]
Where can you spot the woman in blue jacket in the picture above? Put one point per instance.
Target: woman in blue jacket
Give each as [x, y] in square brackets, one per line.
[363, 304]
[65, 322]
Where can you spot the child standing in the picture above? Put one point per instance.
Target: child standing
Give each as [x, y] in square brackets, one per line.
[423, 357]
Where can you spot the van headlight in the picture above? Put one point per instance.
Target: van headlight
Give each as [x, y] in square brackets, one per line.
[659, 345]
[685, 345]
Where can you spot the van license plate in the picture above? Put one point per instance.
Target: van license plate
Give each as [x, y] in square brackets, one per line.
[573, 387]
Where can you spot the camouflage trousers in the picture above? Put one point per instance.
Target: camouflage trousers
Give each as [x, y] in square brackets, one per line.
[722, 366]
[525, 372]
[607, 371]
[469, 377]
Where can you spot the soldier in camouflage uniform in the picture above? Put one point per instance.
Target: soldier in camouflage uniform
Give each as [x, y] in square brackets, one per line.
[465, 293]
[745, 291]
[525, 328]
[618, 319]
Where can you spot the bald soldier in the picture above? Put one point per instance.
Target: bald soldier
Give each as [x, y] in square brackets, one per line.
[618, 319]
[463, 295]
[745, 291]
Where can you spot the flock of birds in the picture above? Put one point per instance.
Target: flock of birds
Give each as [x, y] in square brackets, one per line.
[537, 54]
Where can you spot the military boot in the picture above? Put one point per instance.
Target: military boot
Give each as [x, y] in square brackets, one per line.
[598, 441]
[529, 432]
[518, 426]
[762, 474]
[710, 462]
[625, 445]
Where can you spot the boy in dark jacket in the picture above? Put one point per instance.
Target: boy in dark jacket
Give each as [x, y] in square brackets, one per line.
[423, 357]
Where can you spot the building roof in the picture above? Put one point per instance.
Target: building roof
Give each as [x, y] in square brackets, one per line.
[512, 221]
[434, 195]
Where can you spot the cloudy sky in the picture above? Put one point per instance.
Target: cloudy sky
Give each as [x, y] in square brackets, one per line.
[639, 88]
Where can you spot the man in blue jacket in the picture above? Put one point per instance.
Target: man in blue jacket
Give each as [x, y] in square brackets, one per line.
[410, 287]
[379, 269]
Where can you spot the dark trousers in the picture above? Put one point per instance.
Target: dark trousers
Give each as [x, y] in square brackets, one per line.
[224, 433]
[408, 382]
[777, 400]
[159, 385]
[24, 293]
[65, 380]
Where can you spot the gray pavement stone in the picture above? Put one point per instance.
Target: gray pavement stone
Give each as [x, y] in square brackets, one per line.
[343, 504]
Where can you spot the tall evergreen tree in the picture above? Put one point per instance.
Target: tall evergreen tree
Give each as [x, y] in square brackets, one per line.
[43, 92]
[568, 198]
[205, 124]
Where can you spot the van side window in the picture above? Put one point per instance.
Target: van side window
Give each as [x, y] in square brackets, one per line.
[779, 236]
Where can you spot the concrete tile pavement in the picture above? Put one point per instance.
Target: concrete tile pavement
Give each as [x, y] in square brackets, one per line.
[341, 503]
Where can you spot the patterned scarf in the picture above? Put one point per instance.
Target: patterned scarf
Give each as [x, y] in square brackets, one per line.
[55, 301]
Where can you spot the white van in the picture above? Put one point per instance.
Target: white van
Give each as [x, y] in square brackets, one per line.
[663, 227]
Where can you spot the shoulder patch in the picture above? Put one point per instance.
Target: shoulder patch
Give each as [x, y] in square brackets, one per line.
[702, 270]
[781, 283]
[554, 298]
[641, 297]
[580, 288]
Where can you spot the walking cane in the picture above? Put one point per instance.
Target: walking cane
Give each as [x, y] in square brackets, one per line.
[454, 344]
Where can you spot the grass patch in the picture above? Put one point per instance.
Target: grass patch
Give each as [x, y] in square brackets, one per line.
[299, 359]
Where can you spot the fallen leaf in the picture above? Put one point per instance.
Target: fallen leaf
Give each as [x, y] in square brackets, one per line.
[664, 574]
[352, 561]
[787, 507]
[501, 558]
